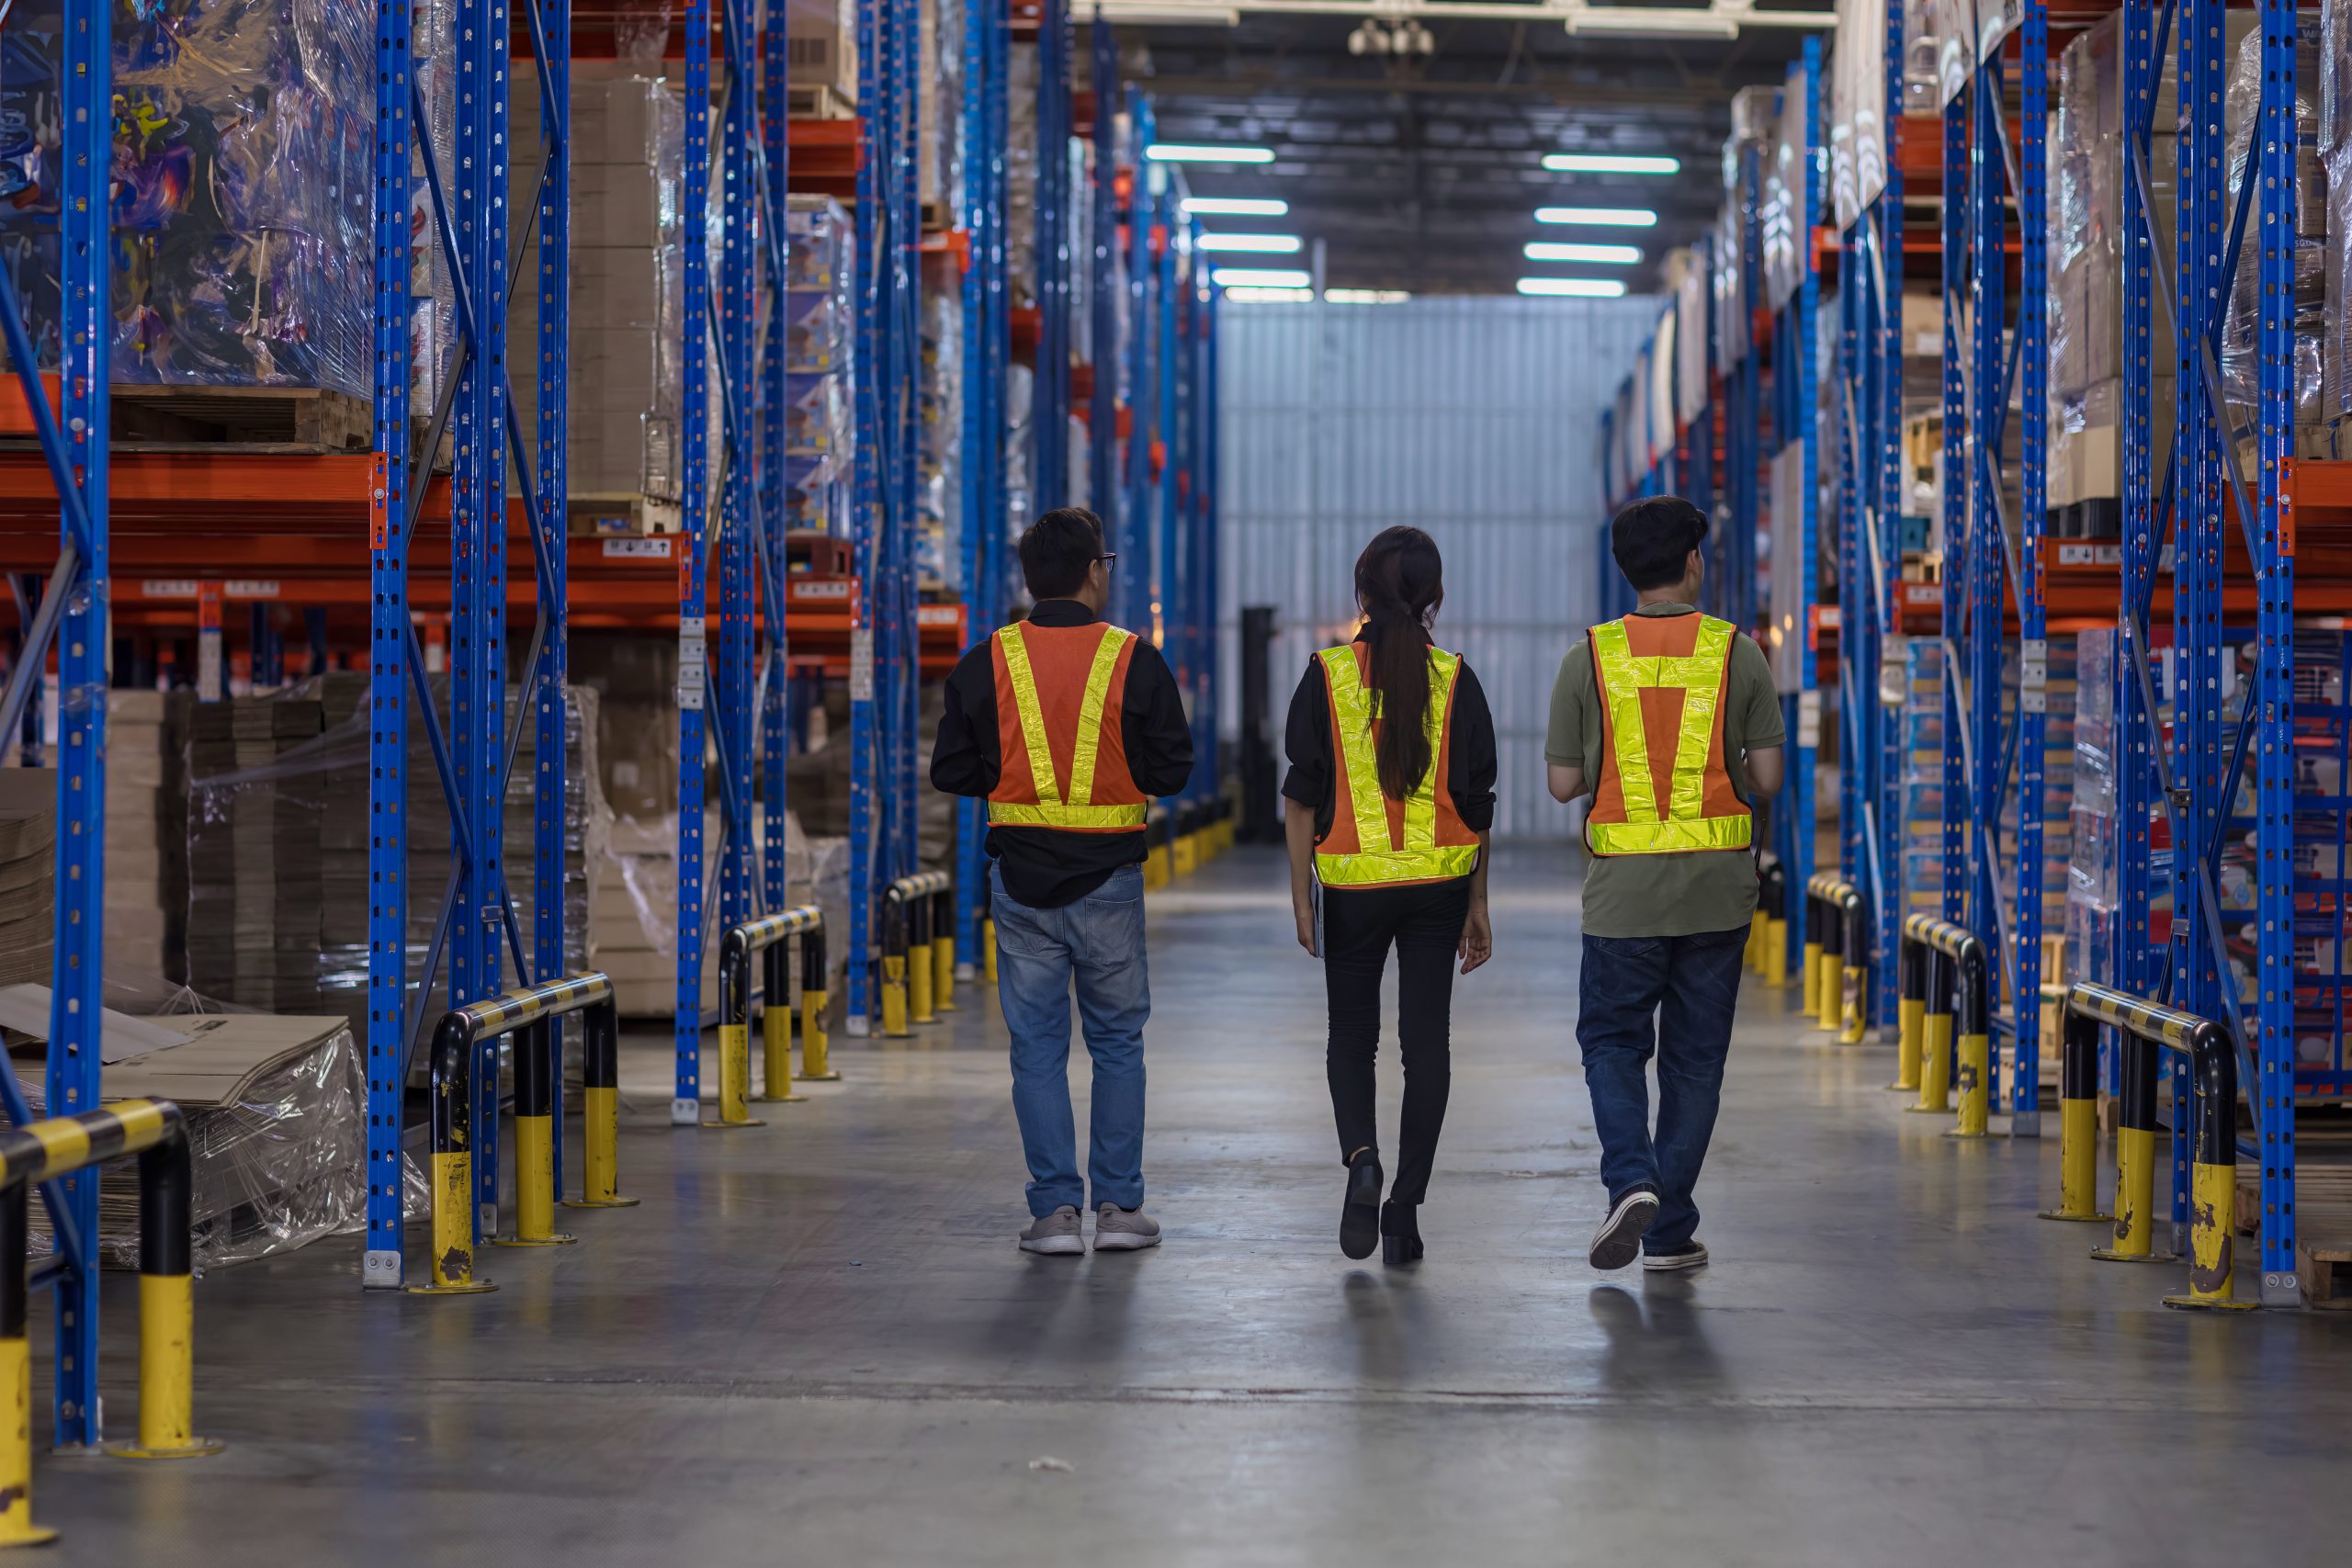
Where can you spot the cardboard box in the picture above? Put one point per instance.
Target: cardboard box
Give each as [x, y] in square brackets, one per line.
[820, 41]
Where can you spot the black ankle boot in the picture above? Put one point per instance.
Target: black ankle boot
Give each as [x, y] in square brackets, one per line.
[1359, 1213]
[1400, 1232]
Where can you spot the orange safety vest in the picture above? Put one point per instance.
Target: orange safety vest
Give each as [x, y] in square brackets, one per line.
[1663, 681]
[1376, 840]
[1060, 694]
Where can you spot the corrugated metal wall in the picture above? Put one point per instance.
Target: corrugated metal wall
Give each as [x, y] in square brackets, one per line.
[1476, 419]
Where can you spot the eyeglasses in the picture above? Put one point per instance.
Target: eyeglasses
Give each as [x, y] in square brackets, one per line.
[1107, 559]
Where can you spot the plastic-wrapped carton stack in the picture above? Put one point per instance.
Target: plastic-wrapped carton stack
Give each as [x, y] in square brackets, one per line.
[28, 874]
[627, 275]
[2091, 897]
[1923, 776]
[2241, 357]
[820, 376]
[2334, 130]
[2057, 781]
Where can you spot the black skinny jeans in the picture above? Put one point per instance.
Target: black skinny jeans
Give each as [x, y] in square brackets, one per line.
[1424, 920]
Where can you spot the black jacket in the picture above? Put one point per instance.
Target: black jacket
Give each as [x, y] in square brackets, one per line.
[1044, 867]
[1470, 776]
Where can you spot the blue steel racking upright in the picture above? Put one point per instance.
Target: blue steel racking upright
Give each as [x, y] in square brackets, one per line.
[728, 701]
[74, 613]
[987, 353]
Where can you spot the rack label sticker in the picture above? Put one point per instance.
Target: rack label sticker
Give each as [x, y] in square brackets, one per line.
[2089, 555]
[938, 615]
[821, 588]
[640, 549]
[694, 671]
[167, 588]
[2033, 676]
[861, 664]
[1809, 719]
[249, 588]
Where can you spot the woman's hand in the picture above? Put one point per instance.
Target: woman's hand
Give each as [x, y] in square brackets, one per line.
[1477, 937]
[1303, 912]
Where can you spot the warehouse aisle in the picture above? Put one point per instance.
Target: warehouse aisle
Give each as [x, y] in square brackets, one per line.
[816, 1343]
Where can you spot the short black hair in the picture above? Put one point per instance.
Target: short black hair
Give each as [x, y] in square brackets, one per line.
[1652, 538]
[1056, 550]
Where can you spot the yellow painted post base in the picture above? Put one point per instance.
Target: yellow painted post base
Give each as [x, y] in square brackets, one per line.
[534, 1186]
[1188, 855]
[1975, 1092]
[894, 998]
[919, 977]
[2135, 1185]
[1910, 1028]
[1849, 1006]
[1776, 952]
[1159, 869]
[1935, 1067]
[1809, 980]
[2077, 1164]
[1751, 957]
[17, 1526]
[943, 975]
[987, 949]
[2212, 1249]
[166, 1372]
[600, 1115]
[775, 1040]
[734, 1078]
[453, 1229]
[815, 1065]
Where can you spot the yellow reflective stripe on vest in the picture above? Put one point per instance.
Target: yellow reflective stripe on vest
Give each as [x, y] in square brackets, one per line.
[1051, 811]
[1699, 675]
[1033, 714]
[1421, 858]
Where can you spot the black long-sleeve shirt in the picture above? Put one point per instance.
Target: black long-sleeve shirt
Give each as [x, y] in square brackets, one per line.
[1470, 774]
[1044, 867]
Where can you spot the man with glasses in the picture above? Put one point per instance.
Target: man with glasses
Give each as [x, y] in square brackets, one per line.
[1067, 724]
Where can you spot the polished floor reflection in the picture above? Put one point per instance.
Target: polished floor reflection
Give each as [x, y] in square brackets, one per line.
[816, 1343]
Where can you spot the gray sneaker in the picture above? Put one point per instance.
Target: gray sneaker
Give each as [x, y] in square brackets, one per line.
[1056, 1232]
[1123, 1230]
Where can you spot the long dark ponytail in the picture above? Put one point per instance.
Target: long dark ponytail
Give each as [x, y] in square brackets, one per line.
[1400, 583]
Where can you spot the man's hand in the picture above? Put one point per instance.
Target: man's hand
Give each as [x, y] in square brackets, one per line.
[1304, 914]
[1477, 937]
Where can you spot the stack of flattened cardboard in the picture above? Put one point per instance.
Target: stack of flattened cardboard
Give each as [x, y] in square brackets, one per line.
[28, 872]
[146, 866]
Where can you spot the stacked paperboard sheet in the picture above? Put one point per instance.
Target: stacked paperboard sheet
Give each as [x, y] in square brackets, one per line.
[146, 855]
[28, 872]
[253, 853]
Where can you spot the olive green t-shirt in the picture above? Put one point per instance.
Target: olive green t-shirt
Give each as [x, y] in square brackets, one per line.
[1669, 895]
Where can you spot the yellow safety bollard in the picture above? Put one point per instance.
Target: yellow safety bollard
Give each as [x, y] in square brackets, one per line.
[987, 949]
[894, 995]
[1809, 994]
[815, 978]
[2136, 1160]
[535, 1053]
[1187, 854]
[600, 1110]
[1776, 952]
[1752, 956]
[943, 952]
[167, 1293]
[17, 1526]
[2078, 1121]
[1911, 1016]
[2213, 1174]
[775, 1023]
[1975, 1086]
[453, 1163]
[1935, 1058]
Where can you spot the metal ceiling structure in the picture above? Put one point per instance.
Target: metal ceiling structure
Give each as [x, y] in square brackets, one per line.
[1424, 173]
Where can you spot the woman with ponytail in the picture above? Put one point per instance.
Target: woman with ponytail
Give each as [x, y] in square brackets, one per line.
[1389, 803]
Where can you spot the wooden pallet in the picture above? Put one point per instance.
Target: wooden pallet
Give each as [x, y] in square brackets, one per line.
[2323, 1229]
[2326, 1274]
[305, 419]
[818, 100]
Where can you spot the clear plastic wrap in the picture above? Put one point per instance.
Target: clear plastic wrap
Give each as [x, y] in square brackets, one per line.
[243, 180]
[2241, 355]
[1725, 275]
[277, 845]
[2334, 48]
[1690, 338]
[1858, 109]
[1784, 195]
[277, 1121]
[1922, 89]
[818, 351]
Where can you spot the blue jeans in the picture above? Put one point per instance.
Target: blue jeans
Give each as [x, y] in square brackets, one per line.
[1096, 943]
[1690, 984]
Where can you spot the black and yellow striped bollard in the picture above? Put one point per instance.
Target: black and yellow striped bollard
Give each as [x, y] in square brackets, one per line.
[452, 1176]
[943, 950]
[1935, 1043]
[816, 996]
[535, 1069]
[919, 972]
[1910, 1015]
[600, 1108]
[44, 1151]
[734, 1034]
[2135, 1159]
[2078, 1121]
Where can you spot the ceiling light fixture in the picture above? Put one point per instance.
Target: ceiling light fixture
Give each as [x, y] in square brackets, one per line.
[1611, 163]
[1260, 277]
[1365, 296]
[1598, 217]
[1604, 255]
[1253, 296]
[1235, 206]
[1188, 152]
[1264, 244]
[1574, 287]
[1720, 19]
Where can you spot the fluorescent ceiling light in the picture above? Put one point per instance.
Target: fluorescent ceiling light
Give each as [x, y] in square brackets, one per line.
[1604, 255]
[1169, 14]
[1609, 163]
[1577, 287]
[1264, 244]
[1646, 21]
[1269, 296]
[1259, 278]
[1598, 217]
[1365, 296]
[1235, 206]
[1187, 153]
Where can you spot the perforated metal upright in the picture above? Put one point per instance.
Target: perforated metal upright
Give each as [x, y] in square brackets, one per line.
[1101, 259]
[1795, 394]
[1049, 399]
[1134, 584]
[773, 393]
[1958, 248]
[982, 479]
[1973, 643]
[694, 647]
[475, 405]
[2033, 646]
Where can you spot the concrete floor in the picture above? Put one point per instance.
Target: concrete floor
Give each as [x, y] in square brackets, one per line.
[816, 1343]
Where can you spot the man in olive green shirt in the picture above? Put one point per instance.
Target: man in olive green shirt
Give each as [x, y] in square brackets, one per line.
[1664, 933]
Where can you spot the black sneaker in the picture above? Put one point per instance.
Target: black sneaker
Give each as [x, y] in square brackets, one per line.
[1690, 1255]
[1619, 1239]
[1359, 1211]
